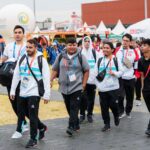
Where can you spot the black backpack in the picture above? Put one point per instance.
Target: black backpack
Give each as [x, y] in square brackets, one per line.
[6, 73]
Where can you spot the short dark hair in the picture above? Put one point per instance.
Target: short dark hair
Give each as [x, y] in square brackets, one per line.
[146, 41]
[71, 40]
[80, 42]
[32, 41]
[19, 27]
[110, 44]
[129, 36]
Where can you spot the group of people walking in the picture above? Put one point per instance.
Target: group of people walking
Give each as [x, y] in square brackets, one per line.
[80, 71]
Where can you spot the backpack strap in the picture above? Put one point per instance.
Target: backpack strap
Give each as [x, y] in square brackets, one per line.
[94, 54]
[40, 63]
[98, 63]
[116, 63]
[80, 59]
[21, 60]
[59, 59]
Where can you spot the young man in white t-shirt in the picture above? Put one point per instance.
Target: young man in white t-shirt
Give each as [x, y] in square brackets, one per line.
[12, 52]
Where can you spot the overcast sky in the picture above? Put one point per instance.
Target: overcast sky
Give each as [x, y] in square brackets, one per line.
[58, 10]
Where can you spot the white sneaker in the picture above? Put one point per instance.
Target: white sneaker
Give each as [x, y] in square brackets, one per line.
[128, 116]
[25, 128]
[138, 103]
[16, 135]
[122, 115]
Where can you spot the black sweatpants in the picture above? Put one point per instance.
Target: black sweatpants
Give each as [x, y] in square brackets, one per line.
[109, 100]
[72, 102]
[126, 89]
[30, 105]
[146, 95]
[14, 103]
[87, 101]
[138, 87]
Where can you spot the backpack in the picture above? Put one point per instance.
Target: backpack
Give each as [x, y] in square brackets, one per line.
[6, 73]
[114, 59]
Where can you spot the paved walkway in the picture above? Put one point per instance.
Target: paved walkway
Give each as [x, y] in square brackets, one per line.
[128, 136]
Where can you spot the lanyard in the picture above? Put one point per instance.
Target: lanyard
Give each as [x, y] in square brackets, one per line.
[30, 64]
[125, 54]
[15, 49]
[66, 63]
[108, 62]
[147, 72]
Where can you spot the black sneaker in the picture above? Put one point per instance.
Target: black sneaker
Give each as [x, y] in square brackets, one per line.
[116, 121]
[69, 131]
[90, 118]
[42, 133]
[82, 118]
[31, 143]
[147, 132]
[77, 129]
[106, 128]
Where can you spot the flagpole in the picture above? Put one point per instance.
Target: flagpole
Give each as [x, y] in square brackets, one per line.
[145, 9]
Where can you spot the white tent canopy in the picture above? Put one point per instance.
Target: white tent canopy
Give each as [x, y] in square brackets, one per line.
[85, 28]
[119, 28]
[36, 30]
[140, 29]
[101, 28]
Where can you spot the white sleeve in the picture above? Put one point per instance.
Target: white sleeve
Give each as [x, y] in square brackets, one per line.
[16, 79]
[119, 56]
[6, 51]
[119, 73]
[46, 79]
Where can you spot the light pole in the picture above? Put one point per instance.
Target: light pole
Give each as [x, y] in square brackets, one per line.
[34, 9]
[145, 9]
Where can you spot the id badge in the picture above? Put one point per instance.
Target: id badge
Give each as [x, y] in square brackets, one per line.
[25, 82]
[72, 76]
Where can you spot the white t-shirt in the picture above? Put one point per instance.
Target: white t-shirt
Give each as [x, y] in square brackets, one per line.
[14, 51]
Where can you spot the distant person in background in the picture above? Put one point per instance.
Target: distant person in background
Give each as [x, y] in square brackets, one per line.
[87, 101]
[2, 46]
[43, 46]
[96, 42]
[138, 82]
[144, 68]
[80, 44]
[53, 53]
